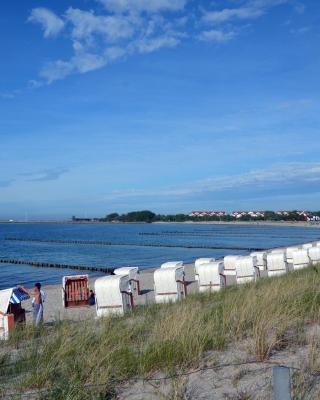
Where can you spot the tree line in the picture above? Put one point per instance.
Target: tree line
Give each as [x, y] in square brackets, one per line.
[149, 217]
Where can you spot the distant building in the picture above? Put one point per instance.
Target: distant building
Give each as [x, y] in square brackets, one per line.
[207, 214]
[252, 214]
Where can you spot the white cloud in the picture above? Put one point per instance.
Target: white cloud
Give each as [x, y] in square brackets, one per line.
[125, 27]
[278, 176]
[143, 5]
[85, 24]
[251, 9]
[232, 13]
[49, 21]
[101, 39]
[149, 45]
[215, 35]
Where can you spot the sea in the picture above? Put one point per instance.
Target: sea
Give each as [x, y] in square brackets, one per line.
[142, 245]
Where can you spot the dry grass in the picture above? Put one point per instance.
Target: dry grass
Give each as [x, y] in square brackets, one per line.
[69, 357]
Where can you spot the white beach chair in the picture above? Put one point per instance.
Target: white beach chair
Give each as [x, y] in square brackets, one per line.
[289, 253]
[201, 261]
[211, 276]
[112, 295]
[277, 264]
[247, 269]
[261, 257]
[314, 255]
[133, 273]
[300, 259]
[229, 263]
[307, 246]
[11, 311]
[169, 284]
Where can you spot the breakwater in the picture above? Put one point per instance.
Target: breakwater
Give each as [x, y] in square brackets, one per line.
[107, 243]
[41, 264]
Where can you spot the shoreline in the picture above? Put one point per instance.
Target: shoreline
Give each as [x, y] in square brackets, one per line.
[303, 224]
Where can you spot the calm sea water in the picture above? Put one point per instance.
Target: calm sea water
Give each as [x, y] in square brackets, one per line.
[130, 235]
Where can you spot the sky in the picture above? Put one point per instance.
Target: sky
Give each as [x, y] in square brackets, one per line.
[167, 105]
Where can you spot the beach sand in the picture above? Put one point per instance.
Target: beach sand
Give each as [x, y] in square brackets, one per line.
[54, 310]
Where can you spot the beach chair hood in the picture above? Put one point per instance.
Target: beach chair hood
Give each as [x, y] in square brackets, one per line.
[132, 272]
[13, 296]
[172, 264]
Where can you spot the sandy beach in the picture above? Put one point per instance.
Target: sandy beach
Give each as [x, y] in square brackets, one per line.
[54, 310]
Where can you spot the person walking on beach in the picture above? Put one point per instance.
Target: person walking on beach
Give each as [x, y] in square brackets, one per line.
[37, 303]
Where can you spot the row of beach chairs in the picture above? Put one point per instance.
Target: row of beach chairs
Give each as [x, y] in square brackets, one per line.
[114, 294]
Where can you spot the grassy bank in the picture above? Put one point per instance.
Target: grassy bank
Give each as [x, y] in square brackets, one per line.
[67, 358]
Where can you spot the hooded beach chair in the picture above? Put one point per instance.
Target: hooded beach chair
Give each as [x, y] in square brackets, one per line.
[201, 261]
[211, 276]
[11, 311]
[314, 255]
[112, 295]
[169, 284]
[277, 263]
[75, 291]
[133, 273]
[247, 269]
[300, 259]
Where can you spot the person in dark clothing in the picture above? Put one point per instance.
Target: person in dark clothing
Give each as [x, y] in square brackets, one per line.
[92, 300]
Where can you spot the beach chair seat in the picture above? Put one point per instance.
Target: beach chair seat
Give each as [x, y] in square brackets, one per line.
[300, 259]
[169, 284]
[201, 261]
[133, 273]
[211, 276]
[307, 246]
[112, 295]
[314, 255]
[277, 263]
[247, 269]
[75, 291]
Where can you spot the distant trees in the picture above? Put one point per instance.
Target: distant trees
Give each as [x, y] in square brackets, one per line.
[134, 216]
[149, 216]
[112, 217]
[138, 216]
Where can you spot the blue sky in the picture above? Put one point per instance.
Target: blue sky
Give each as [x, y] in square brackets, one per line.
[170, 105]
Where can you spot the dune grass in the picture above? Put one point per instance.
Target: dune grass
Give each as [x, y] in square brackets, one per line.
[69, 357]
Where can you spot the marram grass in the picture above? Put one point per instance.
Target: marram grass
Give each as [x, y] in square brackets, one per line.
[69, 357]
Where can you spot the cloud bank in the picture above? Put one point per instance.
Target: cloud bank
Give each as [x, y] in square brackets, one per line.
[119, 28]
[292, 178]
